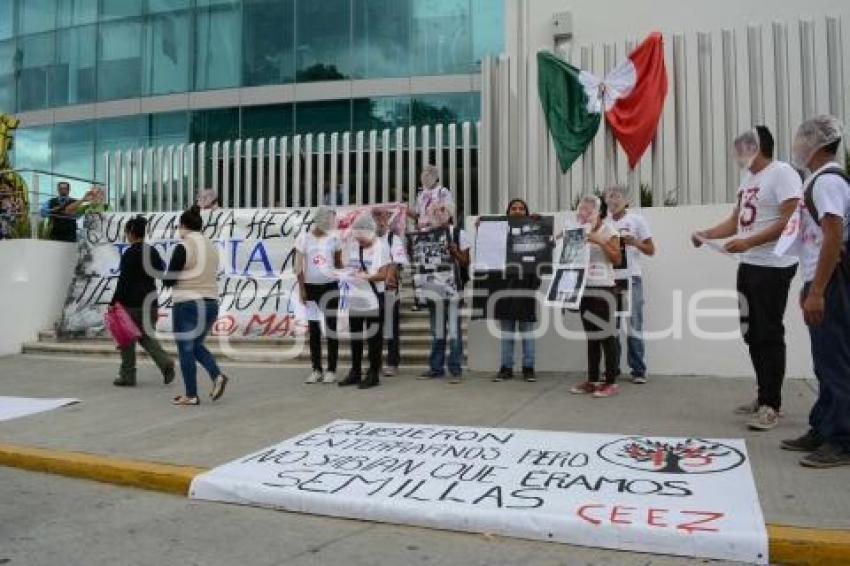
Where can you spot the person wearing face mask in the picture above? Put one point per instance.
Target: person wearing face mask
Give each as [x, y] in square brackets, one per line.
[636, 238]
[598, 304]
[430, 194]
[368, 256]
[767, 197]
[192, 274]
[825, 299]
[317, 253]
[398, 259]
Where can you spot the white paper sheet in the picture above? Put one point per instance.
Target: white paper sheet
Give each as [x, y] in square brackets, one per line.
[491, 245]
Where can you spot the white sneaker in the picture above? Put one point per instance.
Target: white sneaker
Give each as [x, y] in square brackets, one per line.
[390, 371]
[329, 377]
[765, 419]
[315, 377]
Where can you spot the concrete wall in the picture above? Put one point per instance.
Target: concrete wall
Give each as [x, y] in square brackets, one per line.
[34, 280]
[674, 281]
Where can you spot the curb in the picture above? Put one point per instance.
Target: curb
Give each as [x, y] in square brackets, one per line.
[793, 546]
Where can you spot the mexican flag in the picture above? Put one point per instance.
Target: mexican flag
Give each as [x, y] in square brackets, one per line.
[631, 96]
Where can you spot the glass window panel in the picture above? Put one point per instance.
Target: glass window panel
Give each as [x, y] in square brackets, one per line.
[118, 134]
[114, 9]
[157, 6]
[168, 128]
[214, 125]
[7, 19]
[76, 13]
[317, 117]
[448, 108]
[36, 15]
[323, 40]
[381, 38]
[7, 76]
[267, 121]
[119, 72]
[167, 53]
[73, 152]
[268, 42]
[33, 150]
[72, 77]
[218, 44]
[380, 112]
[488, 29]
[440, 37]
[37, 53]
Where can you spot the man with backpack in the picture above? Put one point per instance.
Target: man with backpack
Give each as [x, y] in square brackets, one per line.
[825, 299]
[444, 305]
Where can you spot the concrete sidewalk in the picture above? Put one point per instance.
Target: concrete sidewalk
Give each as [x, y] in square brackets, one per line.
[265, 405]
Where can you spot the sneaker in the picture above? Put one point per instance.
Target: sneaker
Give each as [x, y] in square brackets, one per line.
[765, 419]
[809, 442]
[328, 377]
[585, 388]
[218, 387]
[638, 379]
[430, 374]
[607, 390]
[827, 456]
[528, 375]
[750, 408]
[390, 371]
[504, 374]
[315, 376]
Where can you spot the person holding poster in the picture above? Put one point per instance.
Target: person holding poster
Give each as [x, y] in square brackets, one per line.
[598, 304]
[136, 292]
[444, 305]
[368, 259]
[317, 253]
[192, 274]
[767, 198]
[516, 311]
[825, 299]
[398, 259]
[636, 237]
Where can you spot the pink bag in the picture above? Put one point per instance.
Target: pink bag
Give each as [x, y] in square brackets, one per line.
[121, 326]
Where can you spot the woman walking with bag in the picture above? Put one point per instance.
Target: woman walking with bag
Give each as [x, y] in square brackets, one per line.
[192, 274]
[136, 292]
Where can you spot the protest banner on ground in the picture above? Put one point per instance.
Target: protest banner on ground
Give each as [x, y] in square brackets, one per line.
[688, 497]
[256, 279]
[16, 407]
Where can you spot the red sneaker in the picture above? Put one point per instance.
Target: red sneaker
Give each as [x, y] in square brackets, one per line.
[607, 390]
[585, 388]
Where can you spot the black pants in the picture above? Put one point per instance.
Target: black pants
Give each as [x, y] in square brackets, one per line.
[597, 317]
[763, 295]
[393, 326]
[327, 297]
[370, 328]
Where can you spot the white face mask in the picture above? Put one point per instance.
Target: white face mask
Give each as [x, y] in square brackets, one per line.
[745, 162]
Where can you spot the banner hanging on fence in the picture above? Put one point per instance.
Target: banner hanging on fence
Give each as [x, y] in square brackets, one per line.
[688, 497]
[255, 279]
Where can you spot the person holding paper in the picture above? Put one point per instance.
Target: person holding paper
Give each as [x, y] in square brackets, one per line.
[825, 300]
[636, 237]
[398, 259]
[317, 253]
[598, 304]
[767, 197]
[368, 257]
[516, 311]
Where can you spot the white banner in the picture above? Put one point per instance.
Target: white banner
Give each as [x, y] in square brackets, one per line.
[687, 497]
[15, 407]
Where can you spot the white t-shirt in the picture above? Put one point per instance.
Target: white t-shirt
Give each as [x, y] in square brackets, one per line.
[635, 225]
[374, 258]
[760, 196]
[318, 256]
[463, 241]
[600, 270]
[426, 199]
[832, 196]
[398, 250]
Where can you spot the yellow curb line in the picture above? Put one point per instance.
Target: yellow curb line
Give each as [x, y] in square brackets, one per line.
[789, 545]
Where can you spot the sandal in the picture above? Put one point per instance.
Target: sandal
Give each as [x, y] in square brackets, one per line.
[182, 400]
[218, 387]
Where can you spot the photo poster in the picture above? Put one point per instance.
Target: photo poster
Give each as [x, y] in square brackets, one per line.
[569, 277]
[530, 244]
[434, 273]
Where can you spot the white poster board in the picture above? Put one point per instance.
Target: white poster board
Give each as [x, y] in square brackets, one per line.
[686, 497]
[15, 407]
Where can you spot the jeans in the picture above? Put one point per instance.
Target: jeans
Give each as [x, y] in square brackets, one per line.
[597, 318]
[765, 290]
[830, 415]
[392, 328]
[526, 330]
[192, 322]
[634, 332]
[147, 341]
[327, 298]
[368, 327]
[445, 326]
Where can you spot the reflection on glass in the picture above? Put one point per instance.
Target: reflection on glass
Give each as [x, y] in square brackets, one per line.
[7, 19]
[455, 107]
[268, 42]
[7, 76]
[381, 38]
[159, 6]
[267, 121]
[218, 45]
[73, 152]
[76, 13]
[330, 116]
[323, 40]
[440, 38]
[214, 125]
[167, 53]
[36, 15]
[114, 9]
[488, 35]
[168, 128]
[72, 78]
[36, 54]
[119, 73]
[32, 150]
[379, 113]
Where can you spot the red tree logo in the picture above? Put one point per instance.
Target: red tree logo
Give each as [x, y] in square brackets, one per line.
[672, 456]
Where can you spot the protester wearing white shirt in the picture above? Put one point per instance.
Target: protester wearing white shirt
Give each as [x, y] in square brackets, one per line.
[637, 238]
[825, 299]
[398, 258]
[430, 194]
[368, 257]
[768, 195]
[317, 254]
